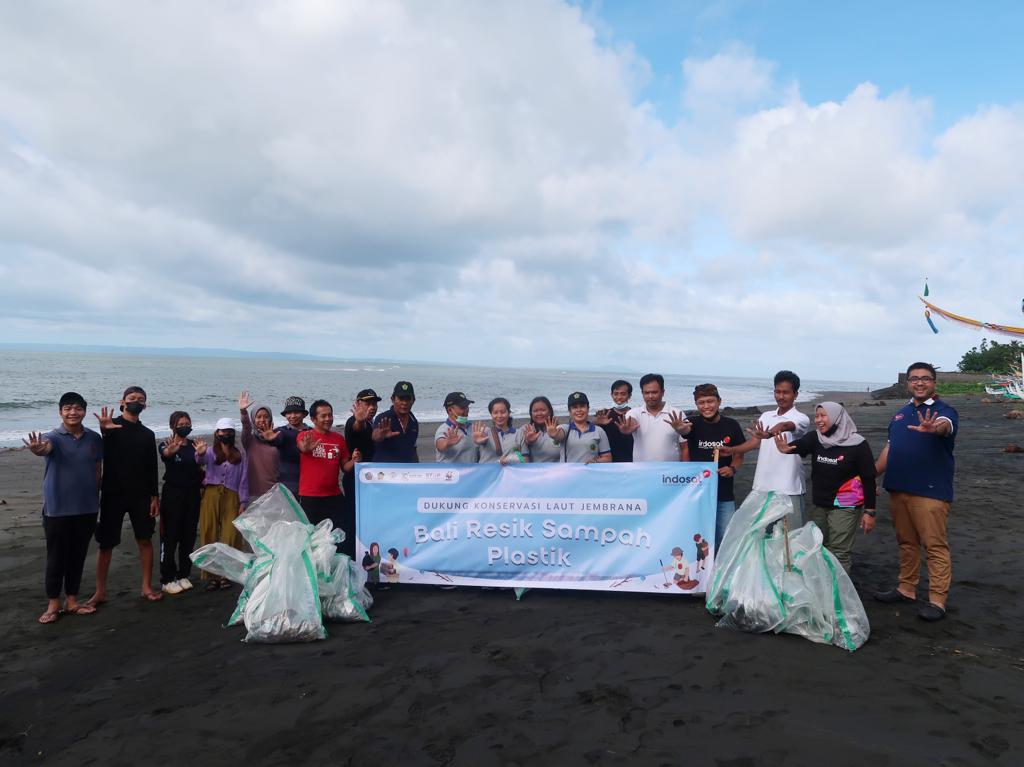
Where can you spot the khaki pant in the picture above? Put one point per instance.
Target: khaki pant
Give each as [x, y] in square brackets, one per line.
[921, 521]
[217, 512]
[839, 529]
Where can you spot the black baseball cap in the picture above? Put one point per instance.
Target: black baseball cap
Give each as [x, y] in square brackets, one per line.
[367, 395]
[457, 398]
[403, 389]
[578, 398]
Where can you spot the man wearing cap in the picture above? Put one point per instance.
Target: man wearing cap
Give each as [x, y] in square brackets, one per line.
[452, 440]
[396, 430]
[130, 477]
[71, 486]
[288, 466]
[582, 441]
[359, 437]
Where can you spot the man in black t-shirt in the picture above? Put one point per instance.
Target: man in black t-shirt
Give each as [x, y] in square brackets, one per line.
[610, 418]
[130, 476]
[712, 430]
[358, 436]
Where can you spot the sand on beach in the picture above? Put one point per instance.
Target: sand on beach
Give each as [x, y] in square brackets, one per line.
[471, 677]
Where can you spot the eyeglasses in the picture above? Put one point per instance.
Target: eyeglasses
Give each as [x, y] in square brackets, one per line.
[920, 379]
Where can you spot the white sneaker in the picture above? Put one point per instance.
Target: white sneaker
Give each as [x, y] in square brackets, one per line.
[185, 583]
[171, 588]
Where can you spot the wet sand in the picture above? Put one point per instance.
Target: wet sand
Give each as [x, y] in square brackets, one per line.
[471, 677]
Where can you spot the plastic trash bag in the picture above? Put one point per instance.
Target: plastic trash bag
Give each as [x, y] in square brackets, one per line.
[284, 603]
[752, 589]
[343, 593]
[223, 561]
[275, 505]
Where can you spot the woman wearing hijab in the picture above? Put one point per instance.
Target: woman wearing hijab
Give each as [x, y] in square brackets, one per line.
[842, 478]
[226, 494]
[501, 442]
[261, 456]
[541, 433]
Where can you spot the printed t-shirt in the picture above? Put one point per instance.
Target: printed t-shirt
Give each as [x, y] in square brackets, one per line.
[837, 468]
[705, 436]
[583, 446]
[320, 469]
[181, 469]
[919, 463]
[69, 479]
[775, 471]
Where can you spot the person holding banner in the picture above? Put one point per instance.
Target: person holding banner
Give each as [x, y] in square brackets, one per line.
[582, 441]
[502, 443]
[452, 442]
[657, 435]
[541, 436]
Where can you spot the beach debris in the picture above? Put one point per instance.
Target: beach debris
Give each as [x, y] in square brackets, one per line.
[785, 581]
[295, 579]
[1013, 447]
[1014, 415]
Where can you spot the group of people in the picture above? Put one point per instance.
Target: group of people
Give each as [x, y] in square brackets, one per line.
[92, 482]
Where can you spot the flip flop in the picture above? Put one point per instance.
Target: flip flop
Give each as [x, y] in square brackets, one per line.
[80, 609]
[212, 585]
[50, 616]
[153, 597]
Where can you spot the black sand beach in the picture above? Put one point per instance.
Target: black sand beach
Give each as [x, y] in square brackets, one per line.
[471, 677]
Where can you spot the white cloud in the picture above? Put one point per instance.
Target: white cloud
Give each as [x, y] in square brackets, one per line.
[380, 177]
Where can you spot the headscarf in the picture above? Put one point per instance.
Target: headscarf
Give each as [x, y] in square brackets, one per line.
[843, 431]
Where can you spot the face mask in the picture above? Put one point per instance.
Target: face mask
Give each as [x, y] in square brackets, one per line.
[135, 407]
[226, 439]
[620, 408]
[461, 420]
[183, 431]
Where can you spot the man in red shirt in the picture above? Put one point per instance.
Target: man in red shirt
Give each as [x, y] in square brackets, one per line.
[323, 456]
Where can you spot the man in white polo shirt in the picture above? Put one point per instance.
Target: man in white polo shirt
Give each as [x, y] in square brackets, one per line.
[657, 432]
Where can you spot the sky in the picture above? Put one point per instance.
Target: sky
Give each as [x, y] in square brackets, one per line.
[693, 187]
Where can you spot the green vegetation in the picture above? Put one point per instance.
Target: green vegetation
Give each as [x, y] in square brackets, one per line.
[991, 357]
[945, 388]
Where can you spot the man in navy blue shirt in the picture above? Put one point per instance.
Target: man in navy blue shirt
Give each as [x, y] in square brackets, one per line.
[918, 461]
[396, 430]
[71, 486]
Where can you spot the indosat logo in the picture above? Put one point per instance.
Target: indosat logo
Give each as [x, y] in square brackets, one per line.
[685, 479]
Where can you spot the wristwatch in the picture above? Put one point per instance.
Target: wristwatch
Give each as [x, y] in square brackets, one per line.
[871, 512]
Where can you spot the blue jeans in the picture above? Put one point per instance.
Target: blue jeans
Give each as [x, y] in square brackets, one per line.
[722, 518]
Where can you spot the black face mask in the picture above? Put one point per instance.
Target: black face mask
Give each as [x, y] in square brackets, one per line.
[135, 407]
[226, 439]
[183, 431]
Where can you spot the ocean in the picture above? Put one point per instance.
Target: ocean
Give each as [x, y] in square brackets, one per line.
[208, 388]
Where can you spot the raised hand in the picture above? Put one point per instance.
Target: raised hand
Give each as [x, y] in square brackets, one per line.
[106, 419]
[783, 445]
[480, 435]
[927, 423]
[36, 443]
[629, 425]
[453, 435]
[200, 445]
[603, 417]
[383, 430]
[552, 427]
[532, 433]
[307, 441]
[361, 410]
[757, 431]
[173, 445]
[244, 403]
[269, 435]
[677, 421]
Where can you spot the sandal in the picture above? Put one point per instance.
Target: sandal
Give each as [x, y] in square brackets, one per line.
[80, 609]
[212, 585]
[50, 616]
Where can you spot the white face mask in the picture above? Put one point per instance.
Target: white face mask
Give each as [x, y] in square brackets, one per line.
[620, 408]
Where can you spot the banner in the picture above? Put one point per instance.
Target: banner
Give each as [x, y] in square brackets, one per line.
[646, 527]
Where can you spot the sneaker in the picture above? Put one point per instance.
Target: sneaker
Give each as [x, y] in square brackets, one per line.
[171, 588]
[892, 597]
[185, 583]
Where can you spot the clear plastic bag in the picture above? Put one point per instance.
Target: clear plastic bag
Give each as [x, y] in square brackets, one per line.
[343, 593]
[753, 590]
[275, 505]
[223, 561]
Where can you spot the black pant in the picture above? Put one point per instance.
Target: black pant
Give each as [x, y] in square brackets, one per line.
[67, 543]
[332, 507]
[179, 517]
